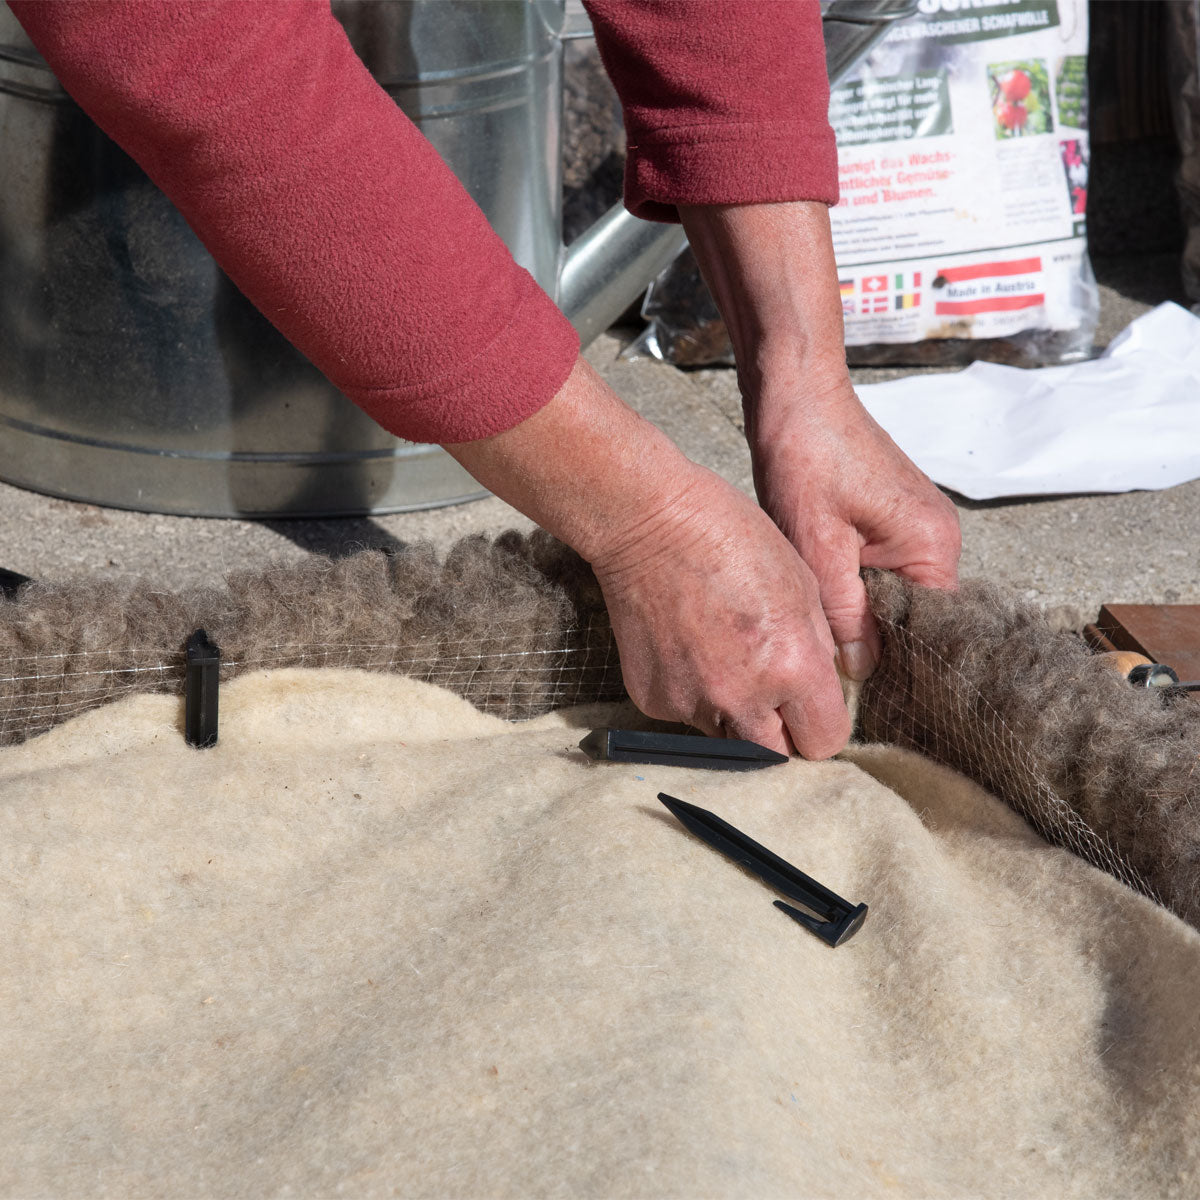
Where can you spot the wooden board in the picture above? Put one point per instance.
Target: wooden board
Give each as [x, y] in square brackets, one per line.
[1164, 633]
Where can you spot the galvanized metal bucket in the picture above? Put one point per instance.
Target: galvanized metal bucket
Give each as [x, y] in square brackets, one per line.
[134, 374]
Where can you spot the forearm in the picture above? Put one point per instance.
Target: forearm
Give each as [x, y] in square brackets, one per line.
[587, 468]
[833, 481]
[772, 273]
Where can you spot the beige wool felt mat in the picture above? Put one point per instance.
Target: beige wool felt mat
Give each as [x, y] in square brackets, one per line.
[379, 943]
[975, 679]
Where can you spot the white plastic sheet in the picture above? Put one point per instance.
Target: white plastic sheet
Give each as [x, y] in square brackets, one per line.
[1125, 421]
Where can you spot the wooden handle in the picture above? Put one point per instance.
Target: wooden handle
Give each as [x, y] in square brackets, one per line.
[1122, 661]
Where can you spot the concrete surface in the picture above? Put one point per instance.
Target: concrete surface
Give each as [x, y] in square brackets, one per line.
[1076, 551]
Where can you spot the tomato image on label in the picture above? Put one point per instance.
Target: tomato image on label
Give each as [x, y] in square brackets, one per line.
[1012, 116]
[1016, 85]
[1020, 98]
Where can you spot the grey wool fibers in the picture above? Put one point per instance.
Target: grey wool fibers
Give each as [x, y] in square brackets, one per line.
[974, 679]
[516, 625]
[977, 680]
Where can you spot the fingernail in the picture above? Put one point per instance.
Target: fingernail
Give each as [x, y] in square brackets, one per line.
[857, 660]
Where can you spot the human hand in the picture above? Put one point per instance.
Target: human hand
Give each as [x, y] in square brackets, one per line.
[839, 488]
[717, 619]
[719, 625]
[846, 496]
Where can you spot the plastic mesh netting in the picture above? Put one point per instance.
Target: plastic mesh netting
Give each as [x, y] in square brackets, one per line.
[974, 680]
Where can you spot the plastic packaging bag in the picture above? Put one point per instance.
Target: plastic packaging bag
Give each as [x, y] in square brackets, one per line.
[963, 162]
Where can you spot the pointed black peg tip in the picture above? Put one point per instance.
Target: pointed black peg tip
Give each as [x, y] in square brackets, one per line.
[595, 745]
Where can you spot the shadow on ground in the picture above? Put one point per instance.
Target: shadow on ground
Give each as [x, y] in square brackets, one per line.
[337, 538]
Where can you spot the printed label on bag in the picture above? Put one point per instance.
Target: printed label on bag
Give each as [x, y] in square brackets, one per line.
[963, 159]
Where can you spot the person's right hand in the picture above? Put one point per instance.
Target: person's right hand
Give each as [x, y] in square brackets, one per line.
[719, 624]
[717, 618]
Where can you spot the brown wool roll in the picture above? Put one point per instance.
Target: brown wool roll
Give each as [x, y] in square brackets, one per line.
[978, 681]
[975, 680]
[516, 625]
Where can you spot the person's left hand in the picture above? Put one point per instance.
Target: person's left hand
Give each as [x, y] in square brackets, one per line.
[839, 488]
[847, 497]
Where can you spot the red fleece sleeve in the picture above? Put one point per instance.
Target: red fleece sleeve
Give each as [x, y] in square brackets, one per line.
[322, 202]
[726, 101]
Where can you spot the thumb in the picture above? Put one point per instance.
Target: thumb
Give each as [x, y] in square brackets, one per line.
[942, 575]
[847, 609]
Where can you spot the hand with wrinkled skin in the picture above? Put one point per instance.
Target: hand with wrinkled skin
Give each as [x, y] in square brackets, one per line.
[719, 624]
[846, 496]
[837, 486]
[717, 619]
[727, 617]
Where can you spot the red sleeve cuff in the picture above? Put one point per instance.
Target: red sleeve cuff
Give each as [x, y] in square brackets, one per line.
[725, 101]
[322, 202]
[730, 164]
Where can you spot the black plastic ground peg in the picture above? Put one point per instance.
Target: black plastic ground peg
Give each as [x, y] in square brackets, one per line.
[834, 920]
[678, 750]
[200, 691]
[11, 583]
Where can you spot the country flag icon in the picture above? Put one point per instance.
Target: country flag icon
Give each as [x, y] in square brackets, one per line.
[847, 290]
[908, 290]
[874, 294]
